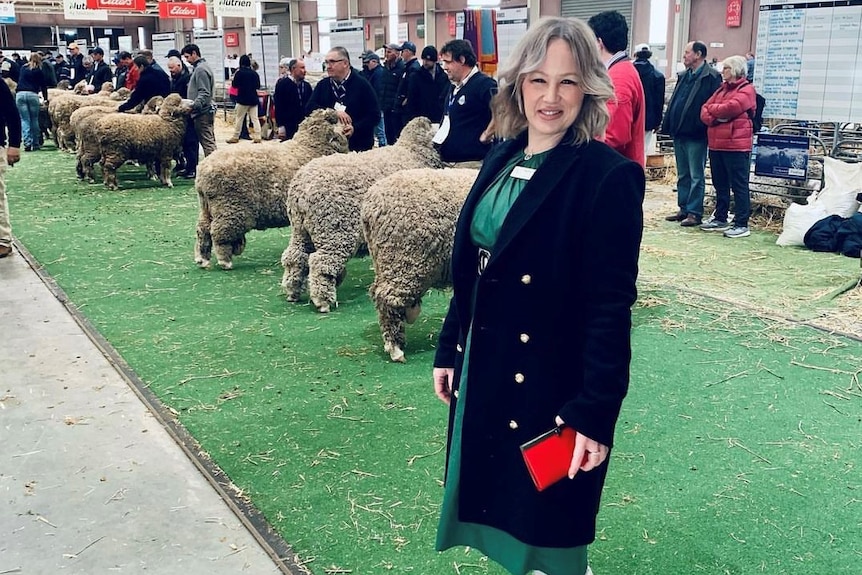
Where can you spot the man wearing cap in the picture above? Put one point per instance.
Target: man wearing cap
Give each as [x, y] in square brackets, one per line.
[467, 108]
[291, 97]
[76, 63]
[393, 68]
[373, 72]
[411, 66]
[653, 82]
[627, 109]
[100, 72]
[427, 90]
[351, 96]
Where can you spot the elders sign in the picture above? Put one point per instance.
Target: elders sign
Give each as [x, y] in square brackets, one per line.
[187, 10]
[127, 5]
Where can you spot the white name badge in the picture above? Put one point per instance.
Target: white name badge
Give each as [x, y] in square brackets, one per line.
[340, 107]
[522, 173]
[443, 132]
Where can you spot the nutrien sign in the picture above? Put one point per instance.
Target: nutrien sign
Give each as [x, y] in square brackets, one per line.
[126, 5]
[235, 8]
[185, 10]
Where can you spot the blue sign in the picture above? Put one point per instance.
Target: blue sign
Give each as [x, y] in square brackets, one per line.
[780, 156]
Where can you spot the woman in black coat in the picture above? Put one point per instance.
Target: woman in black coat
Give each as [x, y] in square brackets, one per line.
[245, 84]
[538, 331]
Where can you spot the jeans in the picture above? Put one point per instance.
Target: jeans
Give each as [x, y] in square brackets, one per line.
[28, 107]
[690, 164]
[380, 132]
[730, 172]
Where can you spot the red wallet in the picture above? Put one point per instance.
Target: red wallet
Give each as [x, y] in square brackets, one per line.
[549, 455]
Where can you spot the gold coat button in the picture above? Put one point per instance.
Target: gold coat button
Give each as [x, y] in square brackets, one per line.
[526, 279]
[513, 424]
[525, 338]
[459, 348]
[519, 378]
[456, 394]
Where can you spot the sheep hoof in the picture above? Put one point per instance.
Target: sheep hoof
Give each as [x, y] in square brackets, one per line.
[293, 298]
[225, 265]
[323, 309]
[395, 354]
[203, 263]
[169, 184]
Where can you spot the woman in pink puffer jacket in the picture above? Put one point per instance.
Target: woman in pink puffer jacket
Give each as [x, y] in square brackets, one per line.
[727, 115]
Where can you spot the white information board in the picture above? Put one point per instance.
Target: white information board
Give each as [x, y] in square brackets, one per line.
[162, 44]
[264, 49]
[807, 59]
[211, 44]
[511, 27]
[349, 34]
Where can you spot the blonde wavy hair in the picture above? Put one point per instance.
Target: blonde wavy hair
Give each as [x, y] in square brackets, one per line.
[507, 106]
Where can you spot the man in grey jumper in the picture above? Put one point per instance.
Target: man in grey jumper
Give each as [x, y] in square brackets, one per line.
[201, 84]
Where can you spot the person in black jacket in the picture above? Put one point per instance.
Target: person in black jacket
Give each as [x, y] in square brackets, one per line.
[31, 81]
[468, 105]
[9, 120]
[62, 69]
[393, 67]
[180, 85]
[150, 83]
[411, 67]
[76, 64]
[351, 96]
[246, 83]
[292, 94]
[682, 122]
[653, 82]
[373, 72]
[427, 90]
[100, 72]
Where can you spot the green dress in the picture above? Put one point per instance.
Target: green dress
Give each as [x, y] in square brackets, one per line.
[517, 557]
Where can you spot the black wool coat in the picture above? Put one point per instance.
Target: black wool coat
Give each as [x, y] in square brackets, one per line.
[360, 102]
[290, 100]
[550, 335]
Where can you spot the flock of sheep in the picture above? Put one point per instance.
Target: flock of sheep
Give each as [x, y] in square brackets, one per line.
[398, 203]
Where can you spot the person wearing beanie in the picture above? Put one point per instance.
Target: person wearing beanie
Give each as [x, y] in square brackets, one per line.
[426, 92]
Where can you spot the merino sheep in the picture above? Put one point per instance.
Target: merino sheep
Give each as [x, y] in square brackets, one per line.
[83, 122]
[323, 205]
[145, 138]
[244, 188]
[61, 107]
[408, 221]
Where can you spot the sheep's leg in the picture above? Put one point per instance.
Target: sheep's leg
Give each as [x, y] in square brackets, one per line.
[165, 165]
[204, 243]
[326, 271]
[294, 259]
[110, 165]
[225, 241]
[391, 320]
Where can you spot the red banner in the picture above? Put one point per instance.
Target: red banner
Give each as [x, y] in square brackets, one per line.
[131, 5]
[733, 14]
[186, 10]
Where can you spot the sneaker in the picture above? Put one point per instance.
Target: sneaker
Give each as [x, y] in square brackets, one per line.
[690, 221]
[714, 225]
[233, 141]
[737, 232]
[677, 217]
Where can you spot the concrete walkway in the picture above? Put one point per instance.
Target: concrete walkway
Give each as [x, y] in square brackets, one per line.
[90, 481]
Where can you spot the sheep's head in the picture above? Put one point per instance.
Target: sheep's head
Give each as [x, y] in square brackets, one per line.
[107, 88]
[153, 105]
[417, 136]
[81, 87]
[64, 85]
[172, 107]
[323, 128]
[121, 94]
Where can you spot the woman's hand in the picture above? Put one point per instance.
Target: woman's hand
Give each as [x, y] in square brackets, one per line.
[596, 453]
[443, 377]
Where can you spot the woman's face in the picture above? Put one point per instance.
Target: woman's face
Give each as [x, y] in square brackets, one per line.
[726, 73]
[552, 96]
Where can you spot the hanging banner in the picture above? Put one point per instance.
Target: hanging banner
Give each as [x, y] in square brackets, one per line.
[733, 14]
[182, 10]
[125, 5]
[77, 10]
[235, 8]
[7, 13]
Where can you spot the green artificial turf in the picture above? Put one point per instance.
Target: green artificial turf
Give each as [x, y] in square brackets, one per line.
[737, 451]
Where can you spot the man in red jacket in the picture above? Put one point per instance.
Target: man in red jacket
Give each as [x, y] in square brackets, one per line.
[625, 132]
